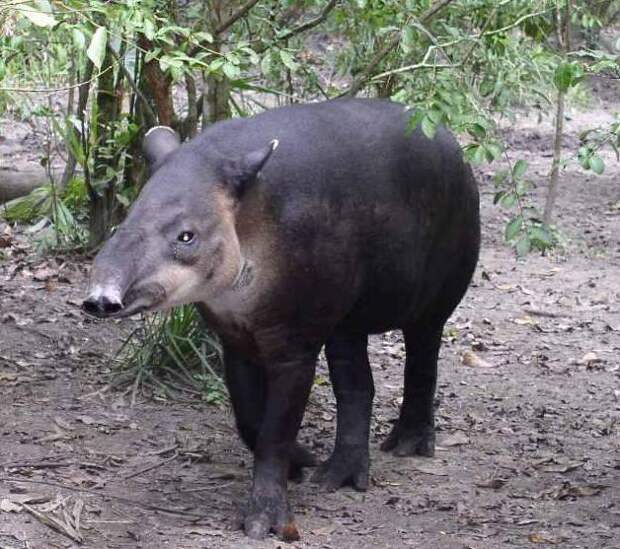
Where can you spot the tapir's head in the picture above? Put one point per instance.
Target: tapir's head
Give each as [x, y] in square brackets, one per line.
[178, 244]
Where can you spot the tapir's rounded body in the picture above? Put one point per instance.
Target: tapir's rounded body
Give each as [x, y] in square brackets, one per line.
[352, 226]
[356, 223]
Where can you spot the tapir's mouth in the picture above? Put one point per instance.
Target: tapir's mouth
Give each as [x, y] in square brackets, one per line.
[140, 298]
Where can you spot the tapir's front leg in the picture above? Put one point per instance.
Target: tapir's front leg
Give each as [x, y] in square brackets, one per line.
[288, 376]
[246, 388]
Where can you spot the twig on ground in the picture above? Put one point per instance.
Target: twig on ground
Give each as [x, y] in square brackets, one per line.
[151, 467]
[127, 501]
[54, 523]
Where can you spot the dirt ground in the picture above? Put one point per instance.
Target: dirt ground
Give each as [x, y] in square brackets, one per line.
[528, 409]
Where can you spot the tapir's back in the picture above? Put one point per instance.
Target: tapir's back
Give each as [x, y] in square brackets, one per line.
[341, 146]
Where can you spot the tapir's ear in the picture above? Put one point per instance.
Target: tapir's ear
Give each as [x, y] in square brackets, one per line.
[158, 143]
[244, 170]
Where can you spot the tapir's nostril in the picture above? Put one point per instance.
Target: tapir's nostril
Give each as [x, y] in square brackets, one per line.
[101, 305]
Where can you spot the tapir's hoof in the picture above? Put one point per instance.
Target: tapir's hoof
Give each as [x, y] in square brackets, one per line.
[259, 523]
[346, 467]
[403, 442]
[300, 458]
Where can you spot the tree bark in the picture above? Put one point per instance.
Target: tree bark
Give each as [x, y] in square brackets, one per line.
[102, 192]
[552, 190]
[554, 176]
[159, 86]
[20, 182]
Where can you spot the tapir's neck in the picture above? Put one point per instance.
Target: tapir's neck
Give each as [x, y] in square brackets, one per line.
[244, 276]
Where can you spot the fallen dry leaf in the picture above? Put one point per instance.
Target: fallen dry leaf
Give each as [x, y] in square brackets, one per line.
[568, 490]
[589, 358]
[541, 538]
[6, 376]
[457, 438]
[526, 320]
[86, 420]
[43, 274]
[8, 506]
[563, 467]
[469, 358]
[430, 469]
[493, 483]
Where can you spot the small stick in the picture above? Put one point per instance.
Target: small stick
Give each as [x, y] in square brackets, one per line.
[35, 465]
[538, 312]
[127, 501]
[151, 467]
[54, 523]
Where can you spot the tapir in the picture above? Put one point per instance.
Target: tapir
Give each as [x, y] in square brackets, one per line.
[303, 227]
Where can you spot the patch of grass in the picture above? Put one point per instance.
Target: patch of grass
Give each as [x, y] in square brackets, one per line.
[174, 356]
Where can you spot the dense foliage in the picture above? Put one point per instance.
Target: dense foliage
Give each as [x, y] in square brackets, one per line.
[99, 74]
[106, 72]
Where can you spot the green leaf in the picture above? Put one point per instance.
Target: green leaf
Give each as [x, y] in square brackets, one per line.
[204, 36]
[288, 60]
[500, 177]
[40, 14]
[96, 49]
[266, 64]
[408, 40]
[216, 64]
[567, 75]
[583, 155]
[122, 200]
[523, 246]
[522, 186]
[513, 228]
[435, 116]
[148, 28]
[563, 77]
[477, 130]
[231, 70]
[79, 40]
[414, 120]
[492, 151]
[519, 169]
[596, 164]
[477, 155]
[428, 127]
[167, 63]
[152, 54]
[541, 236]
[508, 200]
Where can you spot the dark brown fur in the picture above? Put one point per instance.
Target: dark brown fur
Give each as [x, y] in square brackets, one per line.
[351, 227]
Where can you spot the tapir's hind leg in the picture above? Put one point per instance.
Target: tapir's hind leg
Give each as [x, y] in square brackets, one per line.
[246, 387]
[349, 370]
[414, 432]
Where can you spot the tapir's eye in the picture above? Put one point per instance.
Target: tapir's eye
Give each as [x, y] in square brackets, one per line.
[186, 237]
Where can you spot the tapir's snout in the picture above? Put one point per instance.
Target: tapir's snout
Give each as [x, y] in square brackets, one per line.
[103, 303]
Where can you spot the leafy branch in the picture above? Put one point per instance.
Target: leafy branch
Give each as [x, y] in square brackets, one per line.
[366, 75]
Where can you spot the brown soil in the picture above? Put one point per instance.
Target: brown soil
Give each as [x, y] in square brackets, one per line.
[528, 424]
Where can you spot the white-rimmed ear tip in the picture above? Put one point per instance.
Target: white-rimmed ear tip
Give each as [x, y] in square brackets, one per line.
[274, 144]
[160, 128]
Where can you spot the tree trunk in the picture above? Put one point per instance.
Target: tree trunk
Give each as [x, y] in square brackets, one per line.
[15, 183]
[218, 99]
[563, 32]
[159, 86]
[102, 197]
[552, 190]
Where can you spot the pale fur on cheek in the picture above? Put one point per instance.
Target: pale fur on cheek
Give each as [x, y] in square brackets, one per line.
[181, 285]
